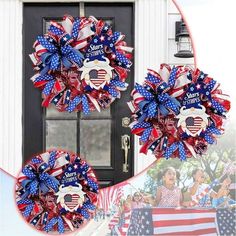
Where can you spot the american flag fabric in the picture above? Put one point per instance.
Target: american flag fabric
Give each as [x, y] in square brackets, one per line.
[109, 196]
[121, 229]
[114, 221]
[71, 201]
[203, 194]
[226, 221]
[194, 124]
[169, 221]
[97, 77]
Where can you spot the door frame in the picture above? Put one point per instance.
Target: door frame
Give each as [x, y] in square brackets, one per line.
[144, 58]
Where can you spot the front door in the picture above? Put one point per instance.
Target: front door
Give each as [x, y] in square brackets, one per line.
[96, 137]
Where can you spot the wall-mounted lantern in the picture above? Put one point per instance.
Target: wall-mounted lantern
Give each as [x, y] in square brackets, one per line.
[184, 46]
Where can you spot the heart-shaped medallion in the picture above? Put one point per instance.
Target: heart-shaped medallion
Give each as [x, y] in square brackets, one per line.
[71, 200]
[194, 124]
[97, 77]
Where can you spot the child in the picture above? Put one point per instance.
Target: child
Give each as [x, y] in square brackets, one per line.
[198, 186]
[168, 194]
[224, 191]
[137, 201]
[127, 204]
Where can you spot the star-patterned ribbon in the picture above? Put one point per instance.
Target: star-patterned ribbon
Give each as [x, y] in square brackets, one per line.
[29, 206]
[209, 132]
[84, 209]
[55, 220]
[112, 42]
[55, 48]
[39, 180]
[82, 170]
[156, 98]
[173, 147]
[76, 101]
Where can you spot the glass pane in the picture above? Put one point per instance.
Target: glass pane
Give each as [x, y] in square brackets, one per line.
[52, 112]
[109, 21]
[47, 23]
[95, 141]
[106, 113]
[61, 134]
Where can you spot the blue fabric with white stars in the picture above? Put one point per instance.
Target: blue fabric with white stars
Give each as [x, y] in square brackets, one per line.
[55, 220]
[158, 101]
[173, 147]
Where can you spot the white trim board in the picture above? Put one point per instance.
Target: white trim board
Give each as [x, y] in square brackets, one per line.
[150, 50]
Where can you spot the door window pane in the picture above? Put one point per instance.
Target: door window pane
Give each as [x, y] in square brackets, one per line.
[52, 112]
[95, 141]
[61, 134]
[106, 113]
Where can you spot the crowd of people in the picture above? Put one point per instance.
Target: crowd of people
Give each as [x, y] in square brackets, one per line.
[168, 194]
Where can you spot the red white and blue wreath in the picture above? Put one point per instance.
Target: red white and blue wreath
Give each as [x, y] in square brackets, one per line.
[80, 64]
[178, 112]
[56, 192]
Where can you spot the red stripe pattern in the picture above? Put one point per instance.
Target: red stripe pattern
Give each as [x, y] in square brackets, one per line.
[109, 196]
[169, 221]
[99, 77]
[71, 201]
[194, 124]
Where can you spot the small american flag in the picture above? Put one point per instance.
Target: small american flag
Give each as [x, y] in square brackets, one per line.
[121, 229]
[97, 77]
[194, 124]
[226, 220]
[203, 194]
[110, 196]
[114, 221]
[169, 221]
[71, 201]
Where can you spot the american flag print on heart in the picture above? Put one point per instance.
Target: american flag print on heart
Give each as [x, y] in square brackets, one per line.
[71, 200]
[194, 124]
[169, 221]
[97, 77]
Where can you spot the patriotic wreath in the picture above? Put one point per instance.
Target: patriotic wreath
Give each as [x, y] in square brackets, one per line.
[178, 112]
[56, 192]
[80, 64]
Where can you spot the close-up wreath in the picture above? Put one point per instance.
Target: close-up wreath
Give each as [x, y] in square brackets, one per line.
[56, 192]
[178, 112]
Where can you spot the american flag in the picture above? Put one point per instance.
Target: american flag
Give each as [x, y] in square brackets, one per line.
[121, 229]
[97, 77]
[114, 221]
[109, 196]
[204, 193]
[71, 201]
[226, 220]
[193, 124]
[169, 221]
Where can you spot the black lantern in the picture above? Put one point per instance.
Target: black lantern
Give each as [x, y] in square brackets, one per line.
[184, 46]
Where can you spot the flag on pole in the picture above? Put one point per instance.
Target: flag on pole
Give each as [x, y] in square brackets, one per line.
[109, 196]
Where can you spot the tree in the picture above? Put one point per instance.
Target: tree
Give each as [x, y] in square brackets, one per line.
[213, 163]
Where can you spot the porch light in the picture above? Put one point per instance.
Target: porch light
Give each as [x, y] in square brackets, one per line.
[184, 46]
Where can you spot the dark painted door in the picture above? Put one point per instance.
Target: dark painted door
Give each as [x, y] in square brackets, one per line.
[97, 137]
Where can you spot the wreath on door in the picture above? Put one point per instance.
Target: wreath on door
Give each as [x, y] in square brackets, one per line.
[80, 64]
